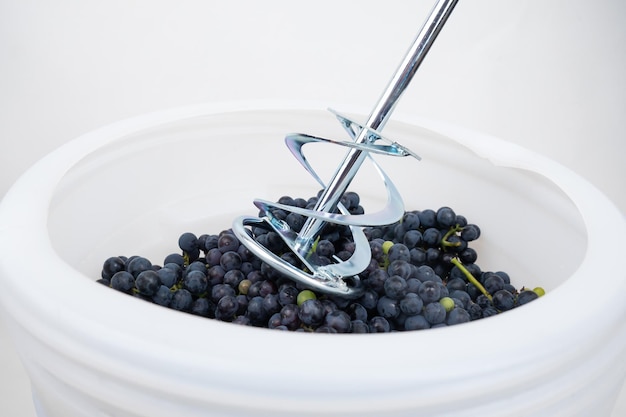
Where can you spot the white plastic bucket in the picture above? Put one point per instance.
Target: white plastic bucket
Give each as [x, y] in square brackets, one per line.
[133, 187]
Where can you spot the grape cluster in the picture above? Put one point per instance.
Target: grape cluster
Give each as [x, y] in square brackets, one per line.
[423, 274]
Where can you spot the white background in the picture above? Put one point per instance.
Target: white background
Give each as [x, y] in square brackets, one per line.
[547, 74]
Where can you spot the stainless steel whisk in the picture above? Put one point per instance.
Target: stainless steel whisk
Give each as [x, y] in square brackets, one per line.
[342, 277]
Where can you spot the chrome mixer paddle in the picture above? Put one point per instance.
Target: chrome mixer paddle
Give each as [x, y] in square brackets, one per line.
[342, 277]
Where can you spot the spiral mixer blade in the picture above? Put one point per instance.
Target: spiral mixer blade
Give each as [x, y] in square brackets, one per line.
[341, 277]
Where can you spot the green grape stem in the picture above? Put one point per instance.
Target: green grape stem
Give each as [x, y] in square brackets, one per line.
[470, 277]
[444, 239]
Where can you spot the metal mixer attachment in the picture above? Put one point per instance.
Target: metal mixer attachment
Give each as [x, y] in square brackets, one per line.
[341, 277]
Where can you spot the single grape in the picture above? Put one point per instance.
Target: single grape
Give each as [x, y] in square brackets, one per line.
[271, 304]
[256, 313]
[210, 242]
[295, 221]
[428, 218]
[457, 316]
[233, 278]
[227, 242]
[338, 320]
[474, 311]
[376, 248]
[378, 324]
[410, 221]
[274, 322]
[220, 291]
[230, 260]
[289, 316]
[526, 296]
[435, 313]
[175, 258]
[351, 199]
[388, 307]
[213, 257]
[462, 296]
[425, 273]
[137, 265]
[446, 217]
[311, 312]
[123, 281]
[181, 300]
[412, 238]
[147, 282]
[111, 266]
[163, 296]
[470, 232]
[503, 300]
[195, 282]
[360, 326]
[325, 248]
[417, 322]
[418, 256]
[398, 251]
[447, 303]
[215, 275]
[244, 286]
[369, 299]
[188, 242]
[411, 304]
[395, 287]
[489, 311]
[429, 292]
[493, 283]
[357, 312]
[226, 308]
[201, 307]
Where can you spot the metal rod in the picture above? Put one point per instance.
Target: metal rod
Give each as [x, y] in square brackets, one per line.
[380, 114]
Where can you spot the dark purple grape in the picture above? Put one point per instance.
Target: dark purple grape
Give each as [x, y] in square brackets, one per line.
[457, 316]
[226, 308]
[123, 281]
[417, 322]
[195, 282]
[230, 260]
[446, 217]
[359, 326]
[201, 307]
[147, 282]
[470, 232]
[399, 251]
[233, 278]
[429, 292]
[311, 312]
[395, 287]
[503, 300]
[221, 290]
[435, 313]
[526, 297]
[138, 264]
[181, 300]
[412, 238]
[163, 296]
[111, 266]
[227, 242]
[175, 258]
[388, 308]
[411, 304]
[339, 320]
[378, 324]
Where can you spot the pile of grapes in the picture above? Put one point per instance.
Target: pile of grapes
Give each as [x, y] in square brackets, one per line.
[423, 274]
